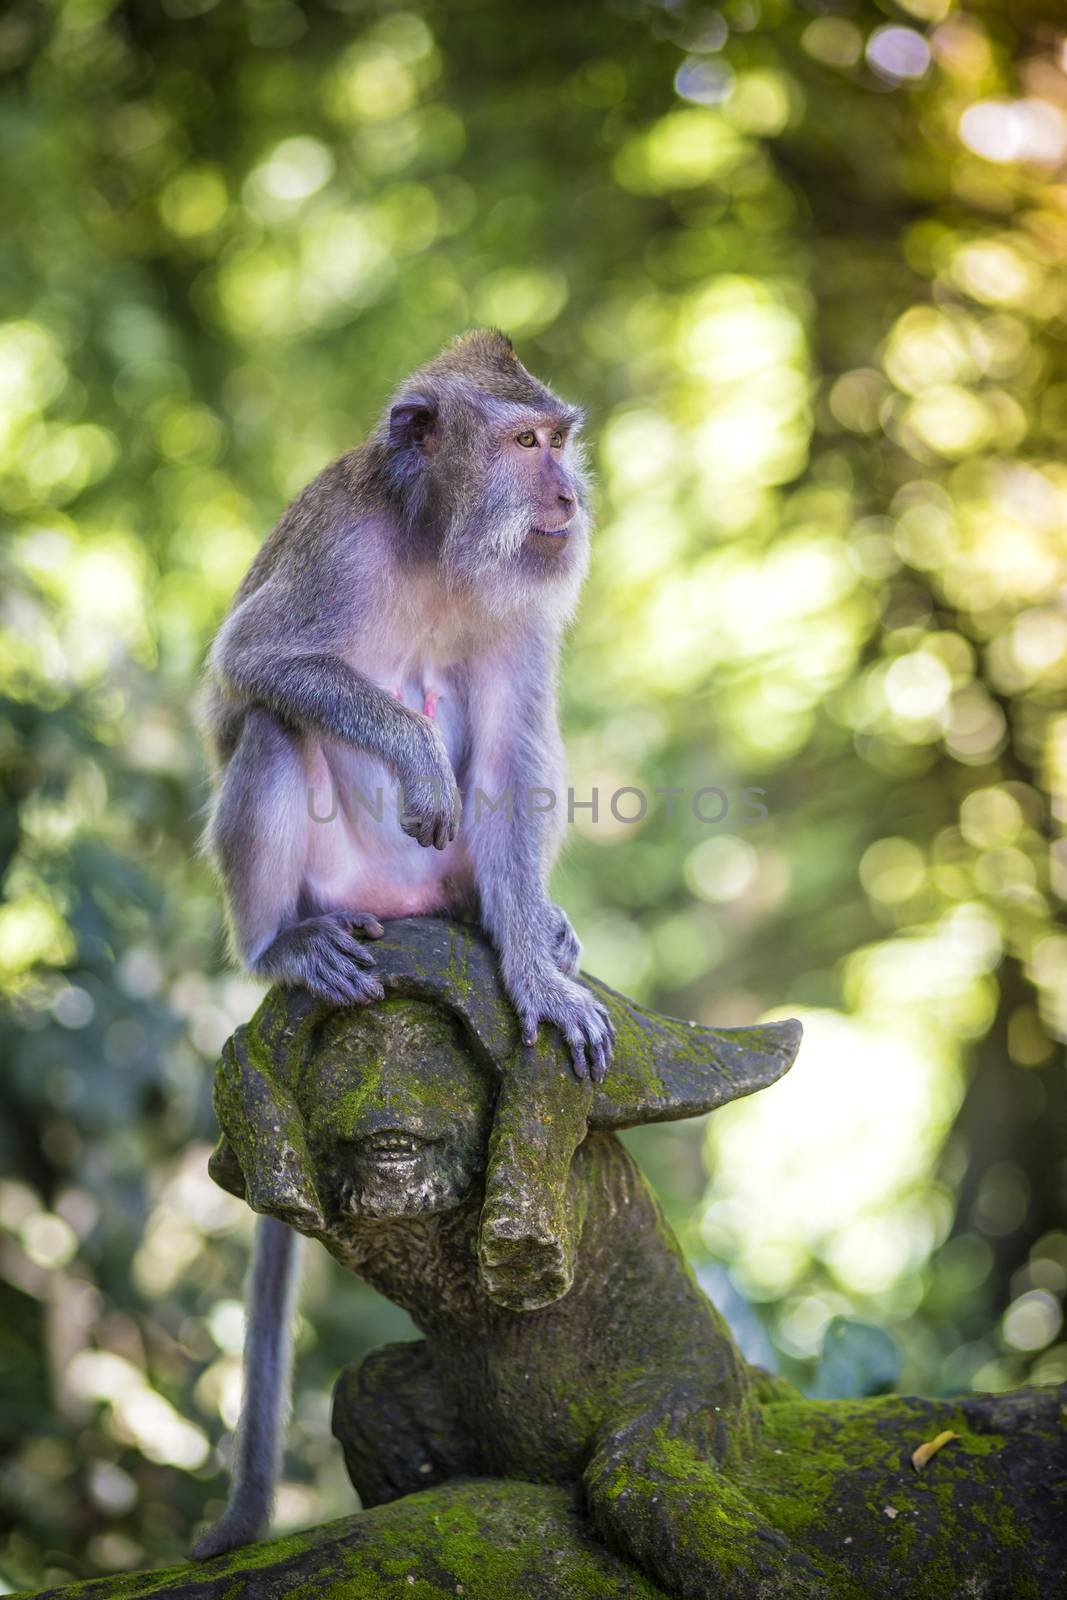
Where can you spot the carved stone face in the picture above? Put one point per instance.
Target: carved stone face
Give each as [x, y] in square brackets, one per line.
[396, 1112]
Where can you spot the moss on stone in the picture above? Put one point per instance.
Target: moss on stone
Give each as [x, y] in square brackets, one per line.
[486, 1540]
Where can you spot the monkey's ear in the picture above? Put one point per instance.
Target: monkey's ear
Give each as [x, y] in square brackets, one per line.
[413, 425]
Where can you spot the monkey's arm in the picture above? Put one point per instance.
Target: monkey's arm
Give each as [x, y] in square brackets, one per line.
[262, 656]
[514, 796]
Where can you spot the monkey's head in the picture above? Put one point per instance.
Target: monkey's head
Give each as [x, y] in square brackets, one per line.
[487, 461]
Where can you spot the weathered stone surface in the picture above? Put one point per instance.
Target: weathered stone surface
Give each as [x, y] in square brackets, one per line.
[297, 1049]
[985, 1520]
[485, 1540]
[577, 1419]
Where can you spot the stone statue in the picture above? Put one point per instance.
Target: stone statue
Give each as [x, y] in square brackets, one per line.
[576, 1420]
[481, 1188]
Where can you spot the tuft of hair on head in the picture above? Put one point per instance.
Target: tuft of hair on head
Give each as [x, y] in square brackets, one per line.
[486, 358]
[489, 344]
[483, 354]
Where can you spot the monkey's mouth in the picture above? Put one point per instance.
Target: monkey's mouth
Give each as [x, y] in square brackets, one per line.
[549, 540]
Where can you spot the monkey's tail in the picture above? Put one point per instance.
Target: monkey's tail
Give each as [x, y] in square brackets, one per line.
[268, 1359]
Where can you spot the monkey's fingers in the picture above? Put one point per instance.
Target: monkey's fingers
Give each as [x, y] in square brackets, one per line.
[432, 829]
[448, 822]
[419, 825]
[576, 1046]
[597, 1035]
[601, 1053]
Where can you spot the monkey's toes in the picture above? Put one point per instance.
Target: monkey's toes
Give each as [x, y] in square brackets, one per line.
[591, 1039]
[584, 1023]
[366, 923]
[336, 966]
[354, 988]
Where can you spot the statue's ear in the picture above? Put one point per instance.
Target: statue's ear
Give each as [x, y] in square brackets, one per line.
[263, 1154]
[665, 1069]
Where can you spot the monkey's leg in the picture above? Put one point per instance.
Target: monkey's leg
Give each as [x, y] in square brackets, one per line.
[259, 834]
[398, 1430]
[655, 1492]
[265, 1401]
[516, 761]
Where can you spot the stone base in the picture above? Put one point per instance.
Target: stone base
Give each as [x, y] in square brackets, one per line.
[987, 1517]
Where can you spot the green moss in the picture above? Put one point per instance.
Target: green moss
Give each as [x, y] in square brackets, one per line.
[817, 1463]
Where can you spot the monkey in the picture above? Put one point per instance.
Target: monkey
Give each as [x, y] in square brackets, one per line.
[403, 621]
[402, 624]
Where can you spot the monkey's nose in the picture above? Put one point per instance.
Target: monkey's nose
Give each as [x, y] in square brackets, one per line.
[566, 500]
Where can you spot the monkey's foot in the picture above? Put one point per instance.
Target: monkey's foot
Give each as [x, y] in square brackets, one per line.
[581, 1019]
[321, 954]
[566, 946]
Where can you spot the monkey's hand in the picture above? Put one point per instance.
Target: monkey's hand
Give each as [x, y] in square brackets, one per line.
[428, 788]
[546, 995]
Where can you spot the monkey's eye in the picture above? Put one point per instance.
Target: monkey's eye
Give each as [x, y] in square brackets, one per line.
[556, 440]
[527, 439]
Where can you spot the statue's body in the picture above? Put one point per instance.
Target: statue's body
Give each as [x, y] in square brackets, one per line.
[535, 1394]
[566, 1341]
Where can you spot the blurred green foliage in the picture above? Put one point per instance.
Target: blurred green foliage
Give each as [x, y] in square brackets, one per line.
[803, 264]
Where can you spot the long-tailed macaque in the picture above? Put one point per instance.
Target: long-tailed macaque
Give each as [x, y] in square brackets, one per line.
[400, 631]
[401, 627]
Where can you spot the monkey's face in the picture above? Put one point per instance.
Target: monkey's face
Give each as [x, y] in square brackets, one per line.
[489, 459]
[537, 466]
[523, 535]
[396, 1113]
